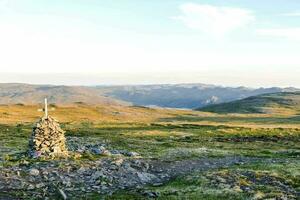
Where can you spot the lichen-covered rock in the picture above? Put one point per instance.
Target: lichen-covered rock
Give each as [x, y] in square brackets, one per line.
[48, 139]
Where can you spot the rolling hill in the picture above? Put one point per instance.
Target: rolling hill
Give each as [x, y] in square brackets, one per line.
[15, 93]
[189, 96]
[284, 102]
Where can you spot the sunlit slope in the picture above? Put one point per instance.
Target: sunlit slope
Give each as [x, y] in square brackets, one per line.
[80, 112]
[14, 93]
[275, 103]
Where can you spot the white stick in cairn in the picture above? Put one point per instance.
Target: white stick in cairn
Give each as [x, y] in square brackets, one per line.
[45, 109]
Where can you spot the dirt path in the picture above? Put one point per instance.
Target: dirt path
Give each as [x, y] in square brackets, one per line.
[169, 170]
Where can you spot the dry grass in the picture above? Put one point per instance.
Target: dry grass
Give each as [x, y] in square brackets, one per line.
[100, 114]
[159, 133]
[11, 114]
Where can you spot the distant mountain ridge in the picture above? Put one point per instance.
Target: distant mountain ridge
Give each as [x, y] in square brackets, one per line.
[283, 102]
[189, 96]
[14, 93]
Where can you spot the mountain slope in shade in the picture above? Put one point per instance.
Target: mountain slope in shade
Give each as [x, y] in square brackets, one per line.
[33, 94]
[284, 102]
[183, 95]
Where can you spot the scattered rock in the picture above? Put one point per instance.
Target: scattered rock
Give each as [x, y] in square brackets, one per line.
[81, 170]
[34, 172]
[118, 162]
[40, 185]
[30, 187]
[133, 154]
[151, 194]
[97, 175]
[98, 151]
[145, 177]
[106, 153]
[24, 162]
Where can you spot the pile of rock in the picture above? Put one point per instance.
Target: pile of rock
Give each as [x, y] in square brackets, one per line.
[48, 139]
[95, 146]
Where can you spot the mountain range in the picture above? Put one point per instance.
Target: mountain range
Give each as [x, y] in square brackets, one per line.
[190, 96]
[16, 93]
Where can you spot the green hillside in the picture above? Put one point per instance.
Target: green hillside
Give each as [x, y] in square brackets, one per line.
[284, 102]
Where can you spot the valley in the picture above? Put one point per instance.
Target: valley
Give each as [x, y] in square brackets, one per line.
[149, 100]
[154, 153]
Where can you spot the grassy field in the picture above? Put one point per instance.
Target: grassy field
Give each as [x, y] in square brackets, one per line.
[165, 135]
[286, 103]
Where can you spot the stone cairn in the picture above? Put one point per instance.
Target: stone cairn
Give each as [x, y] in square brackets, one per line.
[48, 139]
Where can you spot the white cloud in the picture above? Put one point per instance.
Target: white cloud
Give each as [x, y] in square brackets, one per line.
[287, 33]
[218, 21]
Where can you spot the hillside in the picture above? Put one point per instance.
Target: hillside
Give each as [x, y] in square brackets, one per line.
[172, 96]
[80, 112]
[284, 102]
[14, 93]
[183, 95]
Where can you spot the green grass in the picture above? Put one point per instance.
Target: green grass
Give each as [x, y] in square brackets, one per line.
[156, 141]
[181, 141]
[229, 119]
[262, 179]
[289, 101]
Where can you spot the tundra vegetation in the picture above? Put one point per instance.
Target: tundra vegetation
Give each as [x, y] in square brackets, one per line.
[130, 152]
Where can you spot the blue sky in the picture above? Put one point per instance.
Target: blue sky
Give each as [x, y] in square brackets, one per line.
[234, 42]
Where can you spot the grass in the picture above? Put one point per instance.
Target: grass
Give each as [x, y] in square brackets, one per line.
[172, 135]
[283, 103]
[157, 141]
[255, 181]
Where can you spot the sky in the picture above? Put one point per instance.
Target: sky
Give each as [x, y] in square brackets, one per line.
[252, 43]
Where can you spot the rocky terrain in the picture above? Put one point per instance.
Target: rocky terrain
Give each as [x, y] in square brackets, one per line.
[96, 170]
[115, 170]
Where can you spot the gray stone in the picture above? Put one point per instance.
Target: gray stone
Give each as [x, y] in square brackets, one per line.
[97, 151]
[97, 175]
[151, 194]
[133, 154]
[146, 177]
[40, 185]
[34, 172]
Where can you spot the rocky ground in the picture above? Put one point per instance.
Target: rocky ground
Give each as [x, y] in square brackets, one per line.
[101, 171]
[158, 162]
[102, 176]
[250, 181]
